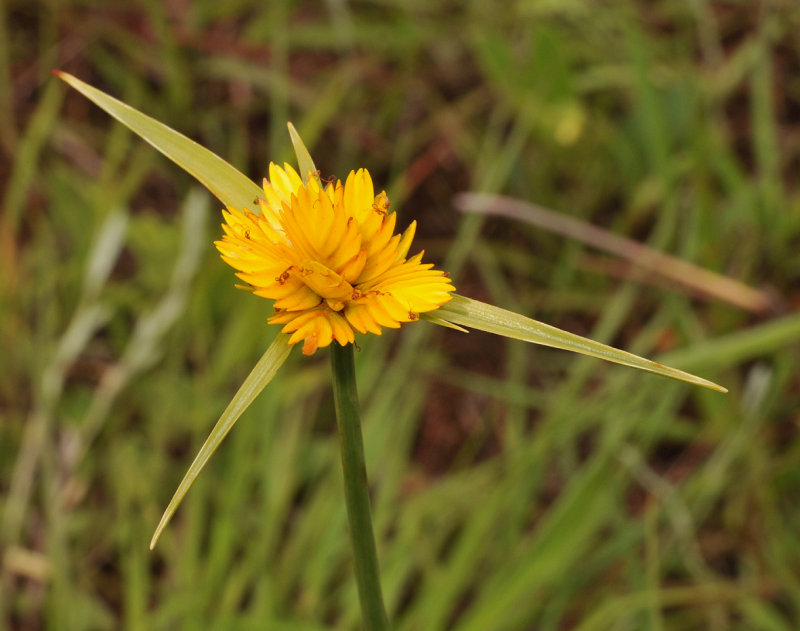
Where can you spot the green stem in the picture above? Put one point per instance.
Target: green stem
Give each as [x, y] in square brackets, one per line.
[356, 489]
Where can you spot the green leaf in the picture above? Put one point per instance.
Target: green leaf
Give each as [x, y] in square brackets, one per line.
[259, 377]
[431, 317]
[304, 161]
[479, 315]
[230, 186]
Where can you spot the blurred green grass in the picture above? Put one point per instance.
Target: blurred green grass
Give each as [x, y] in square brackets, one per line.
[515, 487]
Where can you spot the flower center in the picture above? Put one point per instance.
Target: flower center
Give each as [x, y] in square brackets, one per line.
[326, 283]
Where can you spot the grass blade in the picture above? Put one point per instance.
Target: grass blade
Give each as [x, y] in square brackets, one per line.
[230, 186]
[256, 381]
[484, 317]
[698, 279]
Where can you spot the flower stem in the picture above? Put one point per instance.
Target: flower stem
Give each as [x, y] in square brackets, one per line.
[356, 490]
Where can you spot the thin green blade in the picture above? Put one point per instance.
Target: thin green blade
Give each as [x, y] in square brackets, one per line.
[479, 315]
[259, 377]
[431, 317]
[230, 186]
[304, 161]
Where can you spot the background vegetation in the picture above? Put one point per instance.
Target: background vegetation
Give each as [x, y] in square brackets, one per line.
[515, 487]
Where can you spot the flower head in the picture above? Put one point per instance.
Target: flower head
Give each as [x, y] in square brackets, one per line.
[329, 258]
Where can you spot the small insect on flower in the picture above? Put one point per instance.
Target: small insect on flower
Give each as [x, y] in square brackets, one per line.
[329, 258]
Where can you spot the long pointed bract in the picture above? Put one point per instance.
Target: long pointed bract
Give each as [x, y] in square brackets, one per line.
[479, 315]
[229, 185]
[305, 163]
[256, 381]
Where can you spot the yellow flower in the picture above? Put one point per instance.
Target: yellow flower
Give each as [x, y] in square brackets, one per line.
[329, 259]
